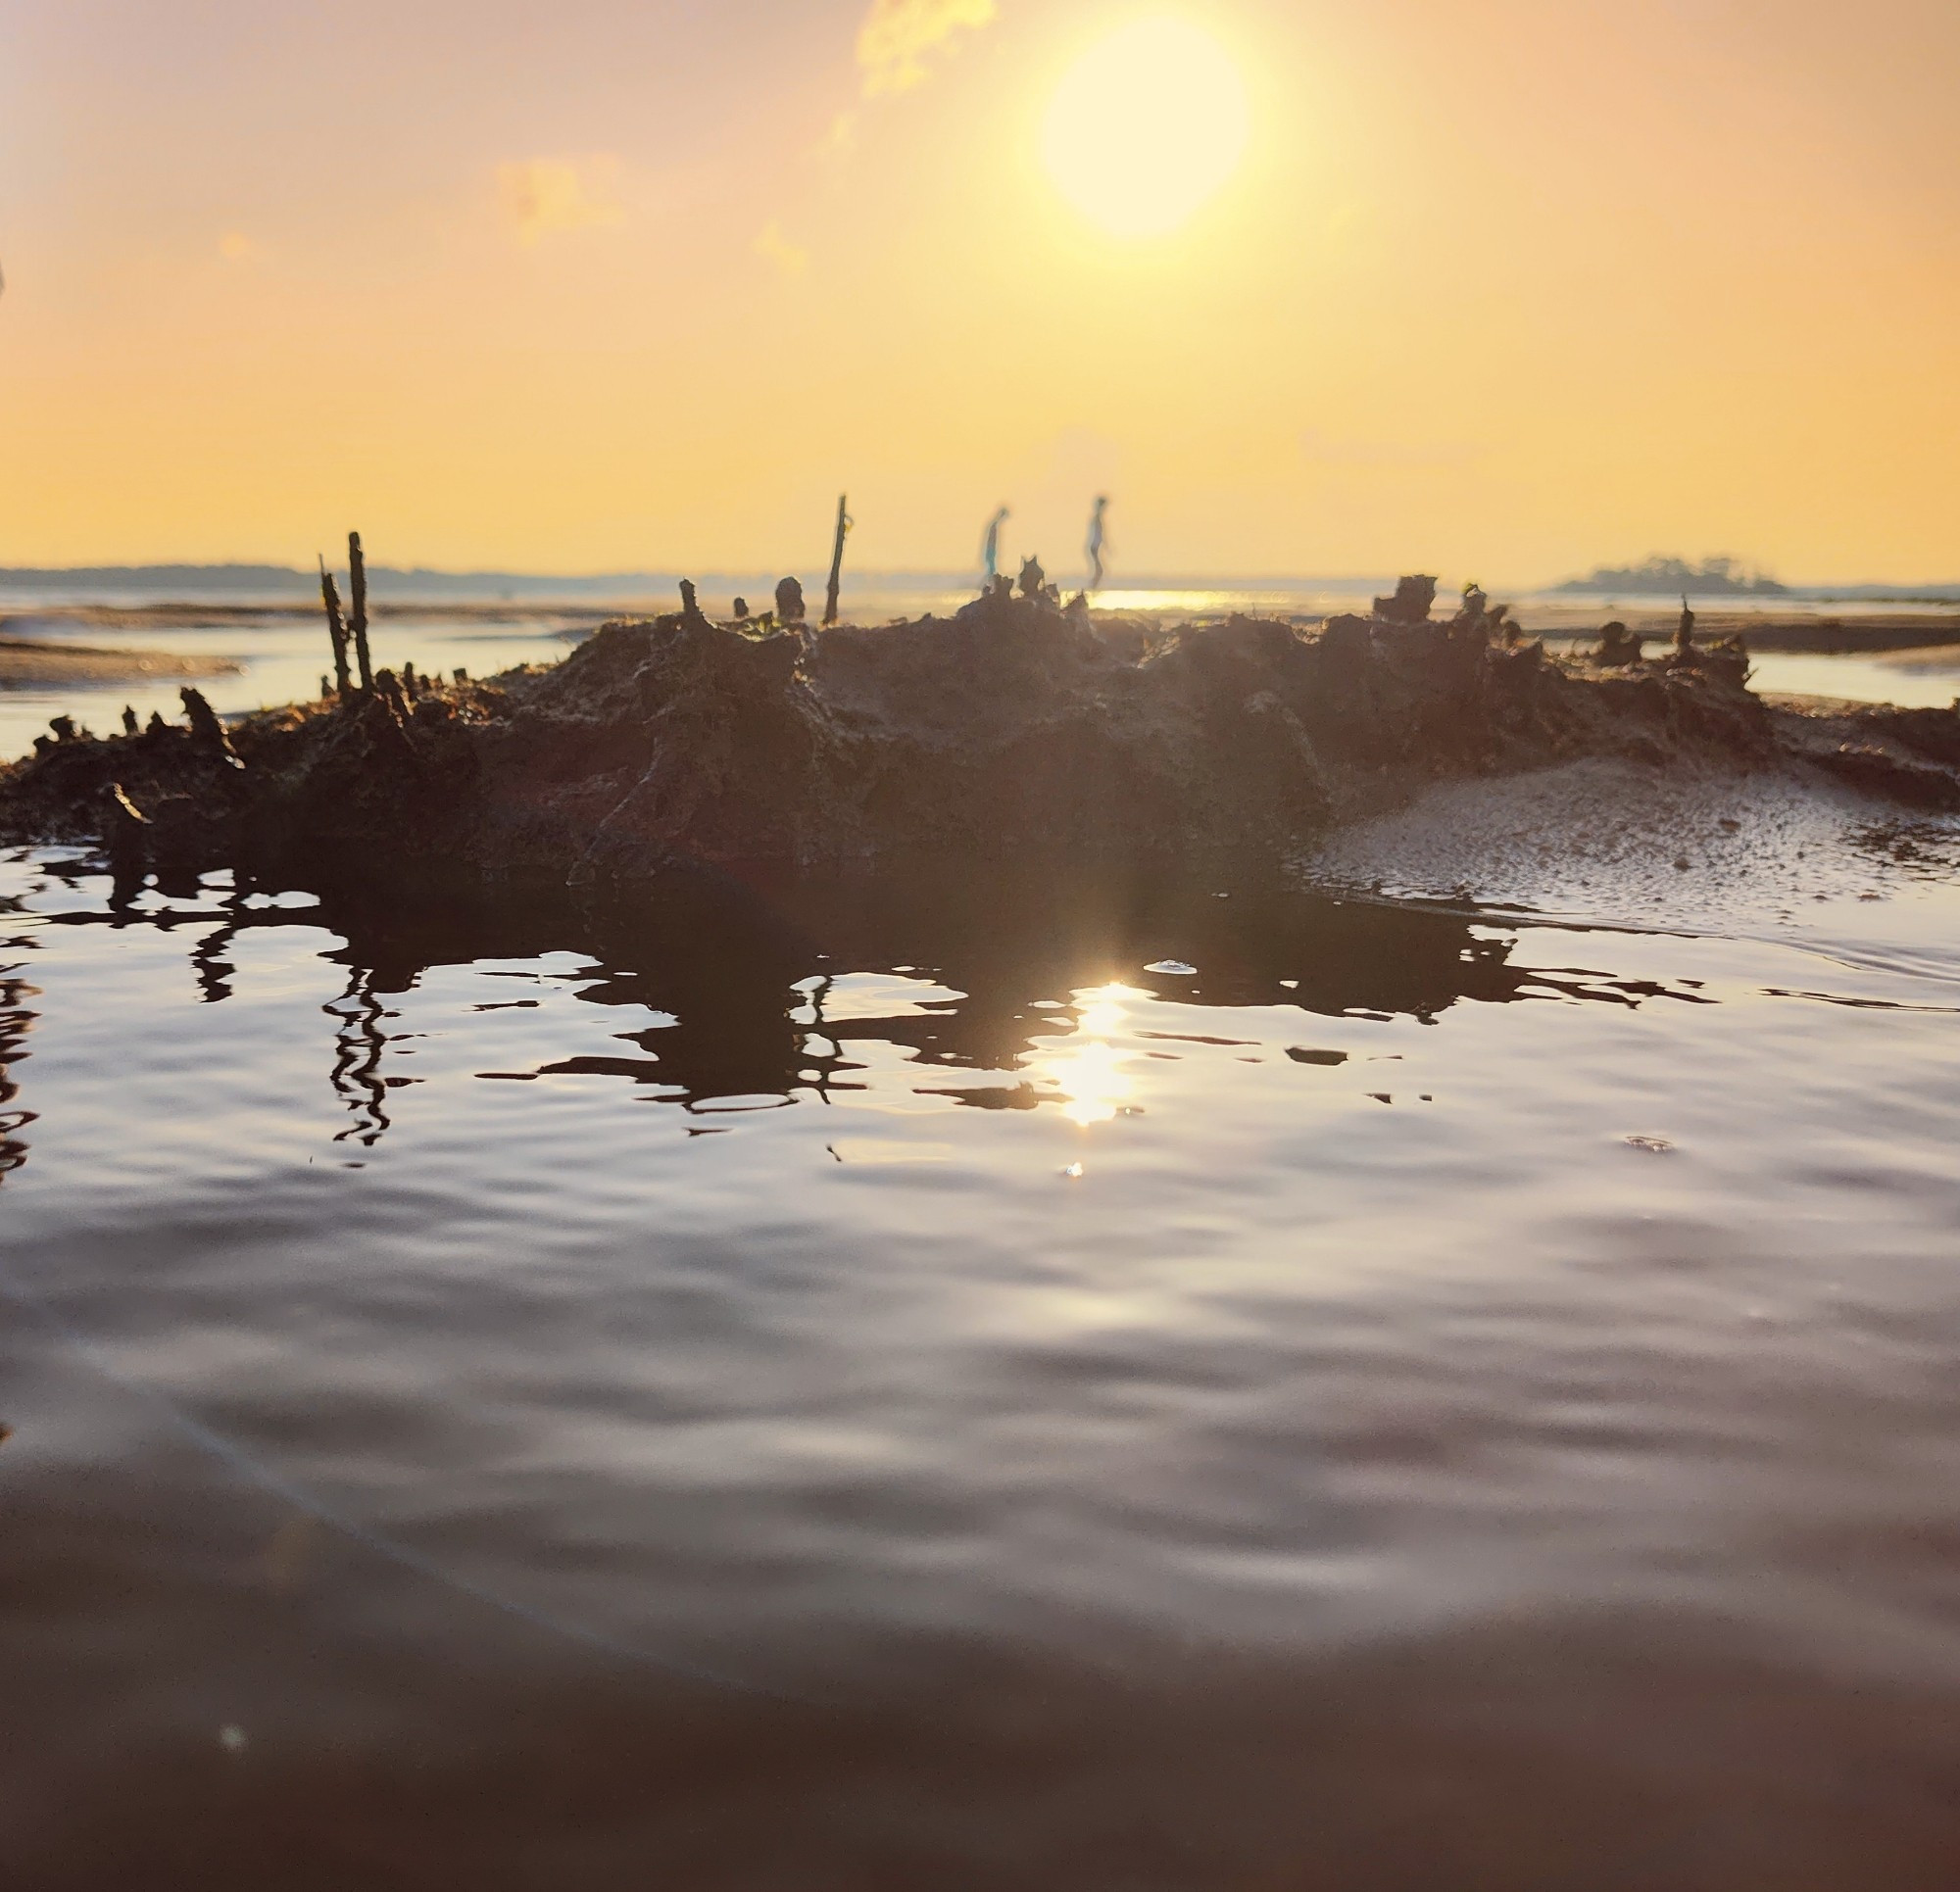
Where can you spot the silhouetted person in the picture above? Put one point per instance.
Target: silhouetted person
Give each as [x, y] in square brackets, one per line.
[989, 549]
[1097, 541]
[1684, 636]
[790, 608]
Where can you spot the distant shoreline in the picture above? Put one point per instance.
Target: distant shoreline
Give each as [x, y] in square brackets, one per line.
[280, 587]
[1785, 628]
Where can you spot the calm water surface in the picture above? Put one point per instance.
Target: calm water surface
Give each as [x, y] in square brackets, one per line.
[1044, 1384]
[278, 660]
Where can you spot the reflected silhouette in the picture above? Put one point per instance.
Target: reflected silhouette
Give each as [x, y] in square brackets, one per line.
[16, 1022]
[746, 974]
[215, 972]
[359, 1045]
[748, 977]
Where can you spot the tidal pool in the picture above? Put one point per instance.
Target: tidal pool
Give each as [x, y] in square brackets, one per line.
[1035, 1382]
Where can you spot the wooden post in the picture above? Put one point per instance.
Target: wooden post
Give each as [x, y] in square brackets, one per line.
[357, 584]
[844, 524]
[336, 629]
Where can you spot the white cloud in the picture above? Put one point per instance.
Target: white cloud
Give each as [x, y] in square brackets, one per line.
[898, 38]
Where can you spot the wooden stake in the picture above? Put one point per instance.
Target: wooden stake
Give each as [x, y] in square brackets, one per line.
[330, 597]
[357, 583]
[844, 525]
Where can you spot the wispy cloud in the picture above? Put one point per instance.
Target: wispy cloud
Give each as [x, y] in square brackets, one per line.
[899, 43]
[790, 259]
[549, 196]
[898, 37]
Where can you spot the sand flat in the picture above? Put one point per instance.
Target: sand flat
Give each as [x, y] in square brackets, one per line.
[26, 664]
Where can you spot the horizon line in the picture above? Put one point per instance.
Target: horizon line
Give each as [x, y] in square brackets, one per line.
[239, 570]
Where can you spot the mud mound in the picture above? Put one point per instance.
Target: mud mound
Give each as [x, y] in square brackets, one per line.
[1015, 725]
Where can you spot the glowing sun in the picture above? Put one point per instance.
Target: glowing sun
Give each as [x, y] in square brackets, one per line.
[1147, 127]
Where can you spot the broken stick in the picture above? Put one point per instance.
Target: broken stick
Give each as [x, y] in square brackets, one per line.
[844, 524]
[357, 585]
[335, 629]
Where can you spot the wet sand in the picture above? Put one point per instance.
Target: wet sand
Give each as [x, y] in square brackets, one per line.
[191, 615]
[1798, 632]
[30, 665]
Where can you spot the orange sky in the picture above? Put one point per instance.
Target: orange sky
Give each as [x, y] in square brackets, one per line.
[1501, 289]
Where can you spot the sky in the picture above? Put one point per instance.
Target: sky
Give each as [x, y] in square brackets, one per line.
[1500, 290]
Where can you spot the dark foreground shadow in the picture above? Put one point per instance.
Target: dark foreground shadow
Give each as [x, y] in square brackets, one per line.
[1561, 1753]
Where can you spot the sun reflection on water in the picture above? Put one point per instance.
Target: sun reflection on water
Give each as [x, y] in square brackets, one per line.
[1090, 1071]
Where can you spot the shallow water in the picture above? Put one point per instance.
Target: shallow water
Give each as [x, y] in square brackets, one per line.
[278, 662]
[1931, 682]
[1006, 1384]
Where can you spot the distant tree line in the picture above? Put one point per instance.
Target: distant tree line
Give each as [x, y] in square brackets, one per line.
[1712, 579]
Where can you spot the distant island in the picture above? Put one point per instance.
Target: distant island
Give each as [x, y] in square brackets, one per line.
[1658, 576]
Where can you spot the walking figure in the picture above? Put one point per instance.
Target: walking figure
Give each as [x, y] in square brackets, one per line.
[1098, 542]
[989, 549]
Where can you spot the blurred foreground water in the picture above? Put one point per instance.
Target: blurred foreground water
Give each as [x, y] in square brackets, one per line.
[1019, 1382]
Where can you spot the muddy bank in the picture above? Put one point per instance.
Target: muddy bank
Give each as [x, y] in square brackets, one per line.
[38, 621]
[1809, 634]
[29, 665]
[1015, 726]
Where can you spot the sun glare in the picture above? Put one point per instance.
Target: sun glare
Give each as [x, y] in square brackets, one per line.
[1147, 127]
[1089, 1071]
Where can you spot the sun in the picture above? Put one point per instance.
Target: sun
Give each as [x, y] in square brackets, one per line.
[1147, 127]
